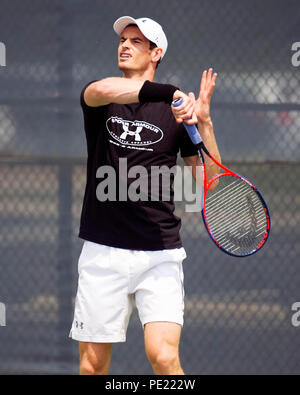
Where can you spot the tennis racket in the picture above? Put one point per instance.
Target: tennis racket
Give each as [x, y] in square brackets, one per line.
[234, 212]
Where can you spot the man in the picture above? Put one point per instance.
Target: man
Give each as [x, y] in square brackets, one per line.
[132, 252]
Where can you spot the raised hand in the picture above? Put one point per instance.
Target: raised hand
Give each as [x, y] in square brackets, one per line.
[202, 105]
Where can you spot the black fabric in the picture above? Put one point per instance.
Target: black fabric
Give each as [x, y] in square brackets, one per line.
[155, 92]
[141, 225]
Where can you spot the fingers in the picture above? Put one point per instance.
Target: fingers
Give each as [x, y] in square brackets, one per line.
[208, 79]
[214, 78]
[192, 96]
[208, 82]
[186, 109]
[212, 85]
[203, 81]
[192, 120]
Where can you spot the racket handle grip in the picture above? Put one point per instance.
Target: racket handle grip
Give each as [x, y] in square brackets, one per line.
[191, 129]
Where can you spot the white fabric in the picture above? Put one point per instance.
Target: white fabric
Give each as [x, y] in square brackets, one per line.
[113, 280]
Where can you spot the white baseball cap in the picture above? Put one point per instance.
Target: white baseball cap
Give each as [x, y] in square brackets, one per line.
[150, 29]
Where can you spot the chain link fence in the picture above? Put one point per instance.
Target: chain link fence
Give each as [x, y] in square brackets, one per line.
[238, 317]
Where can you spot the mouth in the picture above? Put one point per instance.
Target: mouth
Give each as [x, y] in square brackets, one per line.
[124, 56]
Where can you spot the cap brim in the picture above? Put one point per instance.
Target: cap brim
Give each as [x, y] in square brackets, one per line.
[122, 22]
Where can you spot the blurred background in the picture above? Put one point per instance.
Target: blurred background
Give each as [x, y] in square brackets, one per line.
[238, 317]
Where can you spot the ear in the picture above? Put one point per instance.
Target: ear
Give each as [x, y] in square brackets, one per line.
[156, 54]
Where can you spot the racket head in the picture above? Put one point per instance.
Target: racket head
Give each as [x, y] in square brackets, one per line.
[235, 215]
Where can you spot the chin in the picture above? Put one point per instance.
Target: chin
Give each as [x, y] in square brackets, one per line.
[122, 66]
[125, 67]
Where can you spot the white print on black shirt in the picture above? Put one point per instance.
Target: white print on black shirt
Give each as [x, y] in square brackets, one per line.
[128, 146]
[133, 133]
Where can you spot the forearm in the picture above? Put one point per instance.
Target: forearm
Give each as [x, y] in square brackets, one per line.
[207, 133]
[113, 90]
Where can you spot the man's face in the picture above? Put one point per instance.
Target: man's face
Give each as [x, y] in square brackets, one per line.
[134, 52]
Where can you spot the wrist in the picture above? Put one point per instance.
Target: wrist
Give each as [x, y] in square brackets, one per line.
[205, 127]
[207, 122]
[155, 92]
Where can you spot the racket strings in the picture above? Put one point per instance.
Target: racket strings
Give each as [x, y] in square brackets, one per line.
[235, 215]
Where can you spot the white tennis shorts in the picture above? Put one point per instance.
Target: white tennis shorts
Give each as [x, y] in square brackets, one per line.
[113, 280]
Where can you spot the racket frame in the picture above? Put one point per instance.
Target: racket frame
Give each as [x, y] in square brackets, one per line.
[206, 185]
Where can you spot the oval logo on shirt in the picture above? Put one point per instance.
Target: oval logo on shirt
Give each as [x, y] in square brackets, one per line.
[133, 133]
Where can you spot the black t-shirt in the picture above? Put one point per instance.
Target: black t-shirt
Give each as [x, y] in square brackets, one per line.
[145, 135]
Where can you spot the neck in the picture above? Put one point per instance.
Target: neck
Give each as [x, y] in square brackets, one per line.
[139, 75]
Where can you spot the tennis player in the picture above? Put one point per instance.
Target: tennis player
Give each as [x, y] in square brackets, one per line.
[132, 254]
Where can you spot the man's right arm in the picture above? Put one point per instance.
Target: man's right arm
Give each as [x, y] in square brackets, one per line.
[112, 90]
[122, 90]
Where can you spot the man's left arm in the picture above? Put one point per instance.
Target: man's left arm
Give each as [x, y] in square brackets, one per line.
[205, 125]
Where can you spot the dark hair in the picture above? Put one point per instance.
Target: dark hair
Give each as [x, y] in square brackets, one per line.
[152, 44]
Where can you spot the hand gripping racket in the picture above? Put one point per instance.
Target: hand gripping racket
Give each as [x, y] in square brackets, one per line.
[233, 210]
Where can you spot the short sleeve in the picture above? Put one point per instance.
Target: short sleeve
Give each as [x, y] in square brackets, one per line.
[82, 102]
[187, 148]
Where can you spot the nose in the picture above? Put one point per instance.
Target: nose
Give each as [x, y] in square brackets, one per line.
[125, 44]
